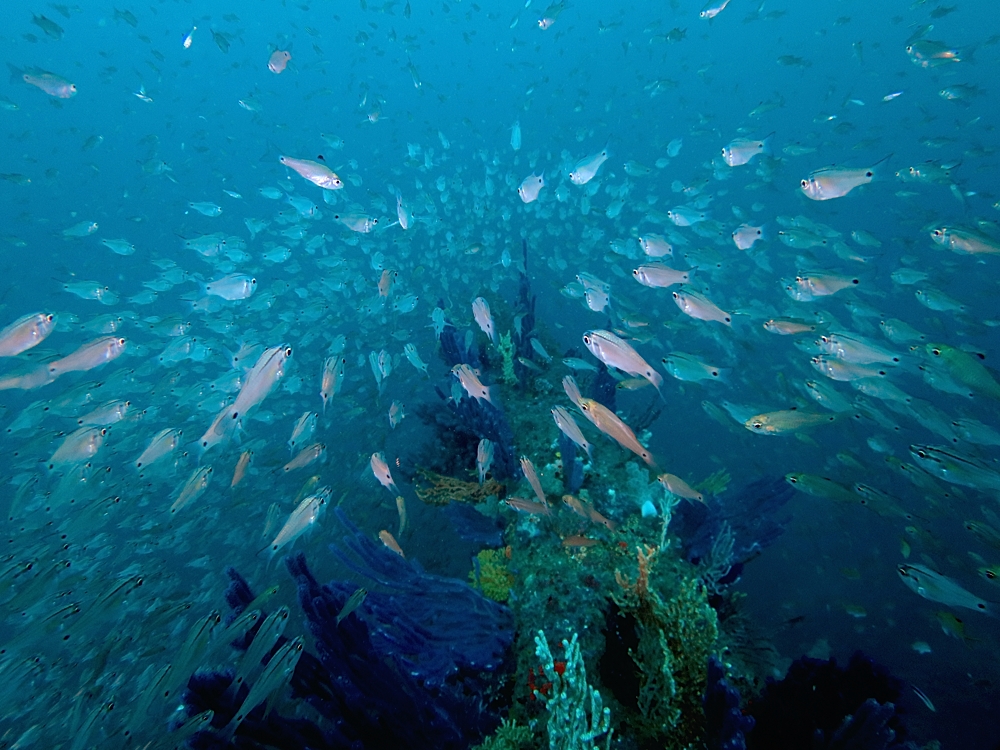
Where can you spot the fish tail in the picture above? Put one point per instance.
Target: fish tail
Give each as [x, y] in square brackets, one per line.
[767, 141]
[16, 74]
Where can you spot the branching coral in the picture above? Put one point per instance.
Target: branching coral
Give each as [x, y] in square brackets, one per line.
[437, 489]
[670, 643]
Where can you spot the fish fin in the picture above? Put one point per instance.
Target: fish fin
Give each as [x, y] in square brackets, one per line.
[767, 140]
[16, 74]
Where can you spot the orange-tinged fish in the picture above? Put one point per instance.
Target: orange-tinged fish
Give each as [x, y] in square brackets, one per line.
[521, 505]
[390, 541]
[242, 466]
[700, 307]
[381, 471]
[608, 422]
[386, 281]
[25, 332]
[677, 486]
[306, 457]
[532, 476]
[618, 353]
[481, 312]
[586, 510]
[788, 420]
[318, 174]
[787, 327]
[278, 61]
[90, 355]
[576, 540]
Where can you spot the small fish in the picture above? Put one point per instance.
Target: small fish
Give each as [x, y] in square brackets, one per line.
[655, 246]
[413, 357]
[162, 444]
[532, 476]
[483, 317]
[390, 541]
[304, 516]
[332, 379]
[700, 307]
[206, 209]
[746, 236]
[396, 413]
[77, 447]
[677, 486]
[836, 182]
[242, 467]
[611, 425]
[306, 457]
[90, 355]
[528, 506]
[565, 422]
[938, 588]
[742, 150]
[470, 383]
[25, 333]
[50, 83]
[354, 601]
[484, 458]
[660, 276]
[531, 187]
[618, 353]
[586, 169]
[713, 9]
[789, 420]
[278, 61]
[318, 174]
[193, 488]
[381, 471]
[783, 327]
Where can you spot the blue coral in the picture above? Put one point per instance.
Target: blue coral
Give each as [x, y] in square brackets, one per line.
[726, 725]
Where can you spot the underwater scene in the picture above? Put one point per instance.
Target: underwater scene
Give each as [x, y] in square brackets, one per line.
[504, 375]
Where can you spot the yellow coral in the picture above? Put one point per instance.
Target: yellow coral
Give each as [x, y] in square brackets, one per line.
[493, 577]
[438, 489]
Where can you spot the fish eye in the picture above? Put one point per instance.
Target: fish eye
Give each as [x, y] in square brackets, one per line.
[922, 454]
[805, 183]
[991, 575]
[980, 605]
[288, 351]
[936, 352]
[903, 571]
[758, 425]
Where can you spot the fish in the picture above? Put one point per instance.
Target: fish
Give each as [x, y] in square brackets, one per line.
[381, 471]
[660, 276]
[789, 420]
[530, 507]
[586, 169]
[965, 241]
[77, 447]
[965, 368]
[162, 444]
[836, 182]
[529, 189]
[390, 542]
[784, 327]
[301, 519]
[278, 61]
[471, 383]
[193, 488]
[677, 486]
[25, 333]
[316, 173]
[483, 317]
[745, 236]
[332, 379]
[354, 601]
[234, 287]
[568, 426]
[957, 468]
[484, 458]
[54, 85]
[242, 467]
[935, 587]
[609, 423]
[714, 8]
[698, 306]
[742, 150]
[618, 353]
[309, 455]
[691, 369]
[655, 246]
[89, 356]
[532, 476]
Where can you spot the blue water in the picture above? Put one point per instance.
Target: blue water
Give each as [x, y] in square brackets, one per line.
[424, 102]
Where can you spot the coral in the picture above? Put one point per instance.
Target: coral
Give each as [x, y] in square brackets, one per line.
[506, 347]
[750, 514]
[668, 645]
[437, 489]
[808, 708]
[509, 736]
[576, 713]
[726, 726]
[417, 664]
[491, 575]
[484, 420]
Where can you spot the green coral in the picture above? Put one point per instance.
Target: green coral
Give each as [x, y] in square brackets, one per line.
[675, 639]
[509, 736]
[506, 347]
[577, 716]
[491, 575]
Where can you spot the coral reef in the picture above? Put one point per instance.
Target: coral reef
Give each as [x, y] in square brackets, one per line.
[726, 726]
[491, 574]
[419, 663]
[438, 489]
[820, 705]
[576, 714]
[506, 347]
